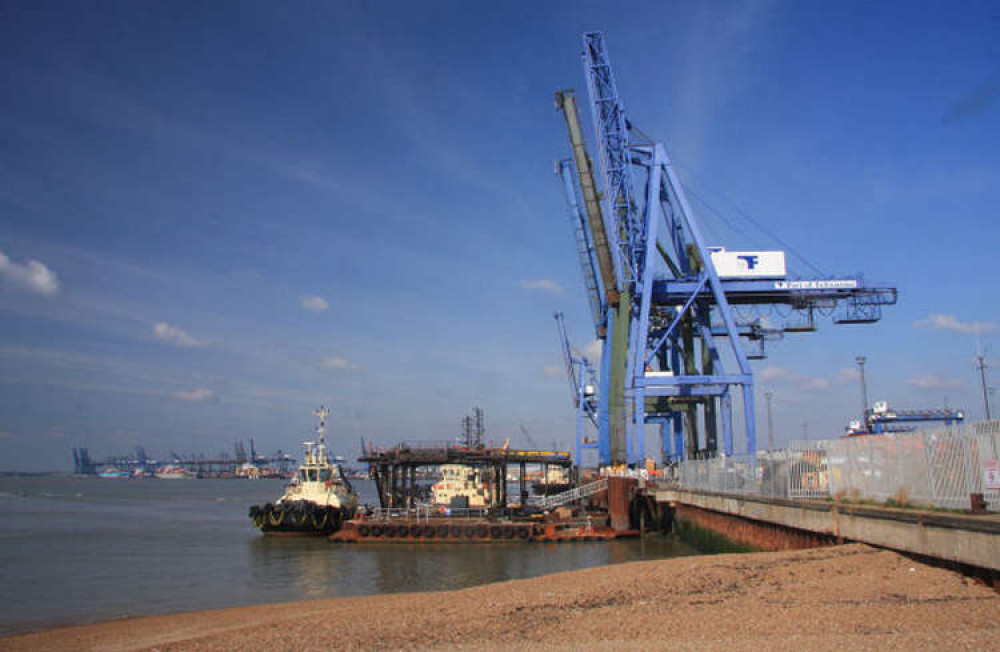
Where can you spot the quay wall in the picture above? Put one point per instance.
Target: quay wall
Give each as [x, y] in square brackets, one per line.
[775, 523]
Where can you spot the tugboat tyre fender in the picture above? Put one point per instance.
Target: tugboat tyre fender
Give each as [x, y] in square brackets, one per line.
[429, 531]
[508, 532]
[363, 530]
[390, 531]
[377, 530]
[442, 531]
[482, 531]
[523, 532]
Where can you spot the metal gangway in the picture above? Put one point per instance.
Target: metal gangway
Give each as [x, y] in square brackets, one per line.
[570, 496]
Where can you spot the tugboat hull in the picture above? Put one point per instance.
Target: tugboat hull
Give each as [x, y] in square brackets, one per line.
[299, 518]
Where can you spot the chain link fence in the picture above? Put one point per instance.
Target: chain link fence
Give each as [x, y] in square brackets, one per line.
[936, 468]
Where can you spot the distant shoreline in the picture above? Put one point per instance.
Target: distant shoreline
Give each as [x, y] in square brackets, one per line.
[846, 597]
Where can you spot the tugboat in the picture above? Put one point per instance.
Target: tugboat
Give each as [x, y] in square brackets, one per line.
[318, 499]
[460, 487]
[554, 481]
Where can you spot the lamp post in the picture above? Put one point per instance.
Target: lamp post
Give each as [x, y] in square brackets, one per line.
[981, 366]
[770, 422]
[864, 391]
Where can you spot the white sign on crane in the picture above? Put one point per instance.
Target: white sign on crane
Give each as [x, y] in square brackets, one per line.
[748, 264]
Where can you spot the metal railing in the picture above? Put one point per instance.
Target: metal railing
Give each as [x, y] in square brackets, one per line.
[566, 497]
[937, 468]
[424, 513]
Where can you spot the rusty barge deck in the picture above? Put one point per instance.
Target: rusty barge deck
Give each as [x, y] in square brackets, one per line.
[469, 530]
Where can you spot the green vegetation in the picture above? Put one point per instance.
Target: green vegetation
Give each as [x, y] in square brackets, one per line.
[706, 541]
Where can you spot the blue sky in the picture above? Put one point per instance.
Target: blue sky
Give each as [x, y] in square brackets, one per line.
[239, 211]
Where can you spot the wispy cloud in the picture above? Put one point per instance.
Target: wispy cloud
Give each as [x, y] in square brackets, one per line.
[951, 323]
[314, 304]
[200, 395]
[168, 334]
[974, 103]
[33, 275]
[844, 376]
[544, 284]
[934, 381]
[553, 370]
[783, 376]
[721, 43]
[339, 363]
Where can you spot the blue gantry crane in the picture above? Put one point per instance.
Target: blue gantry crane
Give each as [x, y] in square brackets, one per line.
[583, 386]
[679, 320]
[880, 419]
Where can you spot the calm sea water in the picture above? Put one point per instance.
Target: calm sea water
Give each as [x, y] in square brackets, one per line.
[75, 550]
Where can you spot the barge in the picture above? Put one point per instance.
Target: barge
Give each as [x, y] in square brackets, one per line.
[464, 530]
[473, 503]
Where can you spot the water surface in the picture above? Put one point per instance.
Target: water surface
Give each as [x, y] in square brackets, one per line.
[76, 549]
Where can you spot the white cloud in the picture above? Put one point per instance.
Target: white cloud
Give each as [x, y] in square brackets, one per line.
[783, 376]
[195, 395]
[951, 323]
[339, 363]
[314, 304]
[168, 334]
[33, 275]
[553, 370]
[845, 376]
[934, 381]
[593, 352]
[543, 284]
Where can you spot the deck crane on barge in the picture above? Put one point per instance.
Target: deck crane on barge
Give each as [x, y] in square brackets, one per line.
[660, 297]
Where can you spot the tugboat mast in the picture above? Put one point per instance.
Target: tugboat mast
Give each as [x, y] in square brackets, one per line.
[322, 413]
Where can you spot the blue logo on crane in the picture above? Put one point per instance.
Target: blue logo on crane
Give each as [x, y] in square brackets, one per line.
[750, 259]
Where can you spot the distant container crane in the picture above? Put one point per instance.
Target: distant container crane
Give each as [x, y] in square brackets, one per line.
[882, 419]
[660, 297]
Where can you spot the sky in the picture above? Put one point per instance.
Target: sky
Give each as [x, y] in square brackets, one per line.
[215, 217]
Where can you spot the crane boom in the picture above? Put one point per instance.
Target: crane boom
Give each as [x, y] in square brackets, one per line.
[612, 140]
[566, 102]
[584, 246]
